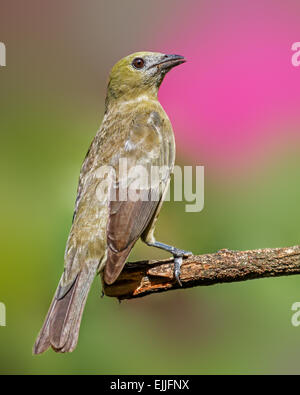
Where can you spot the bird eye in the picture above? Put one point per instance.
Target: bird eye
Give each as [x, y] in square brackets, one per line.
[138, 63]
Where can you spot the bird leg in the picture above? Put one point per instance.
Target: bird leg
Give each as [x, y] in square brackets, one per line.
[177, 254]
[149, 239]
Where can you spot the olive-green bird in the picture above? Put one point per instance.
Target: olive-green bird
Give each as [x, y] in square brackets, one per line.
[136, 128]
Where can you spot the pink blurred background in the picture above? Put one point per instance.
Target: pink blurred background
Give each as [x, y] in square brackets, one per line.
[240, 90]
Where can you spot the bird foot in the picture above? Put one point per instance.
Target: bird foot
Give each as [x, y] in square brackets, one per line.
[178, 258]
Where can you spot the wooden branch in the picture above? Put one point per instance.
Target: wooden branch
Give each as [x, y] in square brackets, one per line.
[143, 278]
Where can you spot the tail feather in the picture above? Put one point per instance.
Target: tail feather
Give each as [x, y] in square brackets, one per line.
[61, 328]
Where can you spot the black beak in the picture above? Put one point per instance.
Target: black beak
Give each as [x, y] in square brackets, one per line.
[169, 61]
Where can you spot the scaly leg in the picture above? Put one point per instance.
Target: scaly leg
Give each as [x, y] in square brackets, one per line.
[149, 239]
[177, 254]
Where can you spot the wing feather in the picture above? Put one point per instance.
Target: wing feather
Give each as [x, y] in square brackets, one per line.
[129, 218]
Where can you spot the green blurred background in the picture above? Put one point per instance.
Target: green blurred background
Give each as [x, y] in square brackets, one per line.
[51, 104]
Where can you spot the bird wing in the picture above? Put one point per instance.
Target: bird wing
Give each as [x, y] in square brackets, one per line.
[134, 203]
[86, 243]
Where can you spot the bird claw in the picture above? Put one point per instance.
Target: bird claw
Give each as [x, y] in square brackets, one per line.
[177, 271]
[178, 258]
[182, 253]
[177, 254]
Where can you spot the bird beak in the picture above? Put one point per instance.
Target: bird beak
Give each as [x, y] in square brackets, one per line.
[169, 61]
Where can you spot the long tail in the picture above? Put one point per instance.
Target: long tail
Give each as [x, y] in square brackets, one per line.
[61, 327]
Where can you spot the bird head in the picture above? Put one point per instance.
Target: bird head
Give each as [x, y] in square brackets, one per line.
[140, 73]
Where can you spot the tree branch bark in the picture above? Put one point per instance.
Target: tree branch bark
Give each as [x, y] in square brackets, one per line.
[143, 278]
